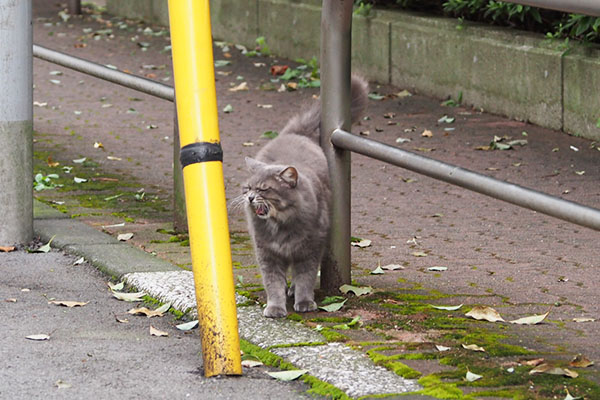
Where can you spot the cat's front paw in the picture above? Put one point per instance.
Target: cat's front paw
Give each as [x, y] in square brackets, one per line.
[275, 312]
[305, 306]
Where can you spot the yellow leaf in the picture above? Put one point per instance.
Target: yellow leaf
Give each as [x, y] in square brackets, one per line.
[427, 133]
[473, 347]
[581, 361]
[484, 313]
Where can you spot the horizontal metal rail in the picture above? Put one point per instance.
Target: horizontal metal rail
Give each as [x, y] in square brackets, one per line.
[587, 7]
[100, 71]
[509, 192]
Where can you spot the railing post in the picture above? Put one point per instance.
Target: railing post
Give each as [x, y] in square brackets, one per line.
[74, 7]
[336, 27]
[16, 128]
[202, 162]
[179, 210]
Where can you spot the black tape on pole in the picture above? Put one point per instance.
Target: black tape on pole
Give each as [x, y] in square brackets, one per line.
[200, 152]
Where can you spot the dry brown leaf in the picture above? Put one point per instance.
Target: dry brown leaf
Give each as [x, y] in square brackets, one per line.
[7, 249]
[292, 85]
[532, 363]
[552, 370]
[52, 163]
[581, 361]
[473, 347]
[69, 304]
[278, 69]
[427, 133]
[241, 87]
[121, 320]
[157, 332]
[582, 319]
[11, 300]
[145, 311]
[484, 313]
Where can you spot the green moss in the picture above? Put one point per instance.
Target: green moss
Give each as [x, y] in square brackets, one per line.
[333, 320]
[295, 317]
[434, 387]
[318, 387]
[333, 336]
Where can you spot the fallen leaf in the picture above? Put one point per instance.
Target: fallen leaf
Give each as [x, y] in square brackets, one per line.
[121, 320]
[358, 291]
[69, 304]
[264, 105]
[123, 237]
[292, 85]
[402, 140]
[484, 313]
[156, 332]
[79, 180]
[446, 119]
[116, 286]
[11, 300]
[437, 269]
[52, 163]
[80, 160]
[419, 254]
[111, 158]
[228, 109]
[427, 133]
[447, 308]
[404, 93]
[62, 384]
[573, 148]
[248, 144]
[251, 363]
[79, 261]
[442, 348]
[361, 243]
[7, 249]
[287, 375]
[98, 145]
[221, 63]
[278, 69]
[532, 363]
[146, 311]
[581, 361]
[552, 370]
[377, 271]
[471, 377]
[533, 320]
[131, 297]
[45, 248]
[38, 337]
[241, 87]
[334, 306]
[187, 326]
[473, 347]
[270, 134]
[392, 267]
[581, 319]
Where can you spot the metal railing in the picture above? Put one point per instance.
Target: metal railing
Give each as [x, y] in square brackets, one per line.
[337, 143]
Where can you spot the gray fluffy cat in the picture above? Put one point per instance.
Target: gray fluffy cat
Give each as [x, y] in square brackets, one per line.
[287, 204]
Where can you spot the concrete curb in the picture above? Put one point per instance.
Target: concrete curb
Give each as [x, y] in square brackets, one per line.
[290, 340]
[514, 73]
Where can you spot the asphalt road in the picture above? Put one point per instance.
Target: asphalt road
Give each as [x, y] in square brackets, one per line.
[89, 353]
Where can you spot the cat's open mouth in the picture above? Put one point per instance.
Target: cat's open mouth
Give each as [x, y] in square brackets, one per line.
[262, 210]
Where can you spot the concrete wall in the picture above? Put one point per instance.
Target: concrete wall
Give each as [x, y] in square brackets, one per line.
[513, 73]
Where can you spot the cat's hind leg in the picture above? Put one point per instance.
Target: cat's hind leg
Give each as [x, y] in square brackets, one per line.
[304, 276]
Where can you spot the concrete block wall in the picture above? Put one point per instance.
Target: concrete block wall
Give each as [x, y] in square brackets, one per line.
[508, 72]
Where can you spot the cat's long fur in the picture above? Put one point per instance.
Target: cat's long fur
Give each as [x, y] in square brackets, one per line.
[287, 204]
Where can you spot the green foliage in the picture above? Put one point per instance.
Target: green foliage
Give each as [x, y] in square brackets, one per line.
[552, 23]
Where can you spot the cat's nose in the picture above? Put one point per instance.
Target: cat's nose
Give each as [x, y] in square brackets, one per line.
[251, 197]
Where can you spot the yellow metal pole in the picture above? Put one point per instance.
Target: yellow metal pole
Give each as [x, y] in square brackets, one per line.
[201, 159]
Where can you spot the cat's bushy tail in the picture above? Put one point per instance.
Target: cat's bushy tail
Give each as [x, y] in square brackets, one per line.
[307, 123]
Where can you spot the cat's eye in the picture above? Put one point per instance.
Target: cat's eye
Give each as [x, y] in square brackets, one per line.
[262, 189]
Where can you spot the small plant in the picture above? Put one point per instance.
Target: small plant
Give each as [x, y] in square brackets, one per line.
[41, 182]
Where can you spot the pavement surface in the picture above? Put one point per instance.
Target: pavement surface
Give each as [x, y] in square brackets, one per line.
[517, 261]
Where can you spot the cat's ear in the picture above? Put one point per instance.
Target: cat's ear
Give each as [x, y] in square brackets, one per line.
[253, 165]
[289, 176]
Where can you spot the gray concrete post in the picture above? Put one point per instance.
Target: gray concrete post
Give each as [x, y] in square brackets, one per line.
[16, 127]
